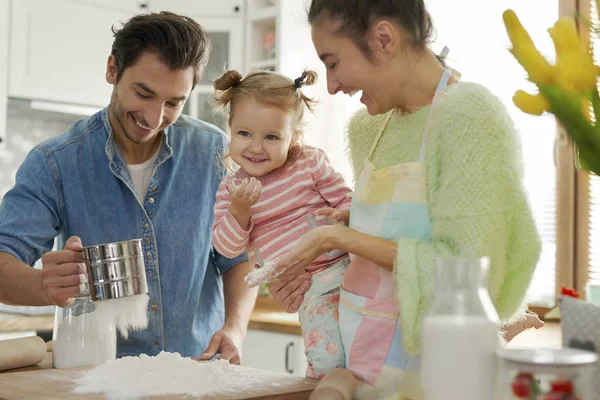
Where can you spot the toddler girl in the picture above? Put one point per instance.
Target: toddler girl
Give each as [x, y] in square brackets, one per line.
[281, 191]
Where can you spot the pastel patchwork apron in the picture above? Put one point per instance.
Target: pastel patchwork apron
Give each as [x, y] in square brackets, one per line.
[388, 203]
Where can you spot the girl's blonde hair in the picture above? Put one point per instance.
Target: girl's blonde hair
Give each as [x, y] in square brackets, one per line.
[271, 89]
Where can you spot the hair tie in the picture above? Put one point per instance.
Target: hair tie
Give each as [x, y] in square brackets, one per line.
[236, 83]
[298, 82]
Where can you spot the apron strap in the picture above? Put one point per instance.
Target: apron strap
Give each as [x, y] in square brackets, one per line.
[441, 85]
[380, 133]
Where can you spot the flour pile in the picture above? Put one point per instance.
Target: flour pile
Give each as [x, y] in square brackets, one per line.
[171, 374]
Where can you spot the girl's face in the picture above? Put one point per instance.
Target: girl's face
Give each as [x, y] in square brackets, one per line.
[260, 136]
[350, 71]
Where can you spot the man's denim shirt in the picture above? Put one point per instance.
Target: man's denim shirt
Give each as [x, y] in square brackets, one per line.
[78, 184]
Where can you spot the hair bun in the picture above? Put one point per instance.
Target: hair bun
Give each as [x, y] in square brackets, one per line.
[228, 80]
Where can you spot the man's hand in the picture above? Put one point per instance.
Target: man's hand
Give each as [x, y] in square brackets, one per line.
[227, 343]
[63, 273]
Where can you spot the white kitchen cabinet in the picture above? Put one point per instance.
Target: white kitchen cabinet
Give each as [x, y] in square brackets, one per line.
[4, 29]
[224, 23]
[59, 48]
[227, 52]
[275, 352]
[204, 8]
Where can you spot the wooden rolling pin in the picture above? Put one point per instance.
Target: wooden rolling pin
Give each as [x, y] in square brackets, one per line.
[21, 352]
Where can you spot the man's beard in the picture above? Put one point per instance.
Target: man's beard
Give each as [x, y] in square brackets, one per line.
[117, 111]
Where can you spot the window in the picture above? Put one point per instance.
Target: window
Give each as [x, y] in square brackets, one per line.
[478, 46]
[587, 222]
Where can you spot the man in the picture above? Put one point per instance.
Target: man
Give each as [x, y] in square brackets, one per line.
[136, 169]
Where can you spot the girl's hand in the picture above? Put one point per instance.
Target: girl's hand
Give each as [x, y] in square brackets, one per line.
[337, 216]
[246, 194]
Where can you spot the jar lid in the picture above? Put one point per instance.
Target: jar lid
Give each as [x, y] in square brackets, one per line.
[564, 357]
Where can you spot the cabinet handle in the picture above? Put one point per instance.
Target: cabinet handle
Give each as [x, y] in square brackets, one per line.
[290, 346]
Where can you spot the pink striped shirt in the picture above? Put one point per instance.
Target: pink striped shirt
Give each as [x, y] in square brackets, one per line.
[285, 211]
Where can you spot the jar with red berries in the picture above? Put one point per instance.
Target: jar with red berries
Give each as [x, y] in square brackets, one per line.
[546, 374]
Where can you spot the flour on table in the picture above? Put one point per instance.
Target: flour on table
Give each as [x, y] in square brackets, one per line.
[170, 374]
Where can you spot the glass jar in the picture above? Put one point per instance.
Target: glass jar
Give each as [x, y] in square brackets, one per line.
[547, 374]
[81, 336]
[460, 333]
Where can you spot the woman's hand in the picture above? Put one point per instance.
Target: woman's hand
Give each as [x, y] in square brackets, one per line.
[306, 250]
[292, 280]
[288, 291]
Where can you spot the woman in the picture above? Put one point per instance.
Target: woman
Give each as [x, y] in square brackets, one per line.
[437, 172]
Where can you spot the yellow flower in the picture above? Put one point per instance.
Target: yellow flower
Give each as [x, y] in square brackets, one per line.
[586, 109]
[565, 38]
[576, 71]
[575, 68]
[531, 104]
[538, 68]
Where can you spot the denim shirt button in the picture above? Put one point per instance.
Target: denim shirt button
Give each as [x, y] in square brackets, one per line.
[149, 256]
[155, 188]
[147, 240]
[157, 342]
[146, 227]
[154, 307]
[151, 200]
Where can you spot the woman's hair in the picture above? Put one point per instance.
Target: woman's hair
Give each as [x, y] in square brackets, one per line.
[271, 89]
[355, 17]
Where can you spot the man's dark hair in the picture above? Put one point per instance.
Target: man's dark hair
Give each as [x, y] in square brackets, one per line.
[180, 42]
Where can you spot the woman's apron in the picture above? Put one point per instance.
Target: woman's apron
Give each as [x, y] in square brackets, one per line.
[388, 203]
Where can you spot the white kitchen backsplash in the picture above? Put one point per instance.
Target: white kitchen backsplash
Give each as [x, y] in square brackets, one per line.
[25, 130]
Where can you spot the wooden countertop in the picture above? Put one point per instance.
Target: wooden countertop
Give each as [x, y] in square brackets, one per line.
[548, 336]
[21, 323]
[267, 316]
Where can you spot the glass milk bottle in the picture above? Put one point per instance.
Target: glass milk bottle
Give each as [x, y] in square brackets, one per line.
[460, 333]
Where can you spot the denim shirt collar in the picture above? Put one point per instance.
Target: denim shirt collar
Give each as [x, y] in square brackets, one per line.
[113, 152]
